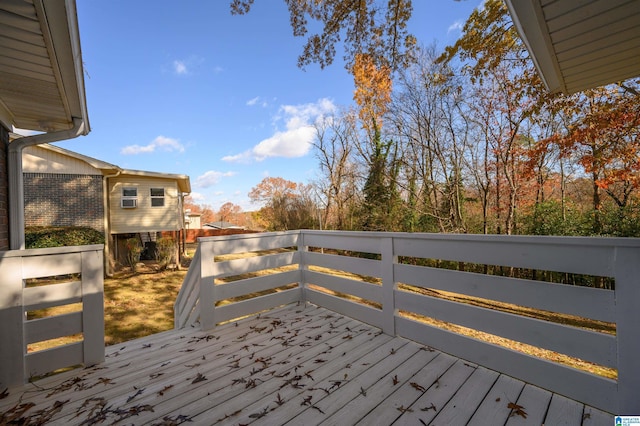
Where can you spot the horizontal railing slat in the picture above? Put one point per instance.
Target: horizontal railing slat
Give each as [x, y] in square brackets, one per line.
[354, 265]
[342, 241]
[257, 304]
[354, 310]
[589, 345]
[582, 386]
[585, 302]
[42, 297]
[343, 285]
[52, 265]
[250, 242]
[38, 330]
[253, 264]
[256, 284]
[45, 361]
[533, 253]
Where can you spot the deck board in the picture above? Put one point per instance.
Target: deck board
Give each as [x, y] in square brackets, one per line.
[295, 365]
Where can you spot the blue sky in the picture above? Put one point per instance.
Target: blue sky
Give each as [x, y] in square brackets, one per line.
[185, 87]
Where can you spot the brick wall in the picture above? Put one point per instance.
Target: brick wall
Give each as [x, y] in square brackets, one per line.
[4, 190]
[63, 200]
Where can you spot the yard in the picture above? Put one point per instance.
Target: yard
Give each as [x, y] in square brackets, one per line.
[140, 304]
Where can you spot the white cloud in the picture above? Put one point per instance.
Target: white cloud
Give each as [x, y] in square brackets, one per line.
[211, 178]
[456, 26]
[257, 101]
[295, 140]
[161, 143]
[197, 196]
[187, 66]
[180, 68]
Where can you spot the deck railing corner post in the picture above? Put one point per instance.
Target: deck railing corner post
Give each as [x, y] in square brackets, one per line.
[627, 296]
[13, 347]
[92, 282]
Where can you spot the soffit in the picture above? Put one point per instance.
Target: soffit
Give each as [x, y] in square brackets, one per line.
[41, 76]
[580, 44]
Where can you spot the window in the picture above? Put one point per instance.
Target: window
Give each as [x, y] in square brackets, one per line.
[129, 198]
[157, 197]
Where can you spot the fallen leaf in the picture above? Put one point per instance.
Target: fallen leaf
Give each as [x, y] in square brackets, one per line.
[516, 410]
[417, 387]
[199, 378]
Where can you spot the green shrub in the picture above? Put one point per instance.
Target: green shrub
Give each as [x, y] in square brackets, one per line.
[134, 249]
[45, 237]
[166, 248]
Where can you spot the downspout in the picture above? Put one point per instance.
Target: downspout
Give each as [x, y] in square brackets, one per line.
[107, 222]
[16, 178]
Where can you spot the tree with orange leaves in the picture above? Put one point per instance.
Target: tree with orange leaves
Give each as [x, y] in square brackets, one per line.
[372, 95]
[603, 136]
[285, 204]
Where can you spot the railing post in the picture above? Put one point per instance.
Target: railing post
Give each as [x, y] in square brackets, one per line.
[302, 266]
[12, 348]
[92, 307]
[627, 290]
[207, 285]
[389, 259]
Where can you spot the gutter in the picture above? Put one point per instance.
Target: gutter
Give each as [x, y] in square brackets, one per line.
[107, 222]
[16, 178]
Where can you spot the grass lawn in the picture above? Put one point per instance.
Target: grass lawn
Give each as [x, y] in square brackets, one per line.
[136, 305]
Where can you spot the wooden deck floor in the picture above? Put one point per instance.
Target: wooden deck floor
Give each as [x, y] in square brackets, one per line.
[298, 365]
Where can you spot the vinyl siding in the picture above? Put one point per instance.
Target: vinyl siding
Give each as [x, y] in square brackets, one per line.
[40, 160]
[144, 218]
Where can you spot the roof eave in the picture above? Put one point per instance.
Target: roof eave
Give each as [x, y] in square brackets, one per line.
[65, 50]
[529, 21]
[183, 181]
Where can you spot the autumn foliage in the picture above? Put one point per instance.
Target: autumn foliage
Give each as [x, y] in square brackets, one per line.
[461, 139]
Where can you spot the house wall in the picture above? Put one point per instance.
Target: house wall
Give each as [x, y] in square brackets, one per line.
[56, 199]
[40, 160]
[4, 190]
[144, 218]
[194, 222]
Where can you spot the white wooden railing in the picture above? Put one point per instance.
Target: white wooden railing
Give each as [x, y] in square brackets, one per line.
[33, 280]
[313, 256]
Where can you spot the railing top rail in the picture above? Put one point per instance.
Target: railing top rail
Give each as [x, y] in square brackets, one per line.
[244, 236]
[52, 250]
[529, 239]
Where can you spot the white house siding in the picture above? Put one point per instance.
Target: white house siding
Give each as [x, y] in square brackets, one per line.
[144, 217]
[40, 160]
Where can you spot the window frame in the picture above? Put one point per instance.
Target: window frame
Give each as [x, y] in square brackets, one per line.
[154, 198]
[124, 197]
